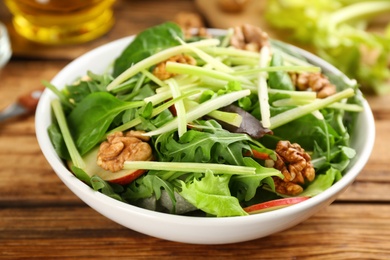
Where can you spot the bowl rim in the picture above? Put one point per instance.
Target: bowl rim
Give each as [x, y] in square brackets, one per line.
[78, 187]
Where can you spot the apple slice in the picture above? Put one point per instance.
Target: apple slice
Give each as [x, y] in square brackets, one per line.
[257, 155]
[274, 204]
[120, 177]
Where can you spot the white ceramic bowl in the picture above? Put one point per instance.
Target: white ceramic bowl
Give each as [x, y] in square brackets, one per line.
[197, 230]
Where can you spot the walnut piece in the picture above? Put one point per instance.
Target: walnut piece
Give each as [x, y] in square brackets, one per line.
[295, 165]
[316, 81]
[120, 148]
[249, 37]
[160, 72]
[191, 24]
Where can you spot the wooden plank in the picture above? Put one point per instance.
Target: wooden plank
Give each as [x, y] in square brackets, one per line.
[337, 232]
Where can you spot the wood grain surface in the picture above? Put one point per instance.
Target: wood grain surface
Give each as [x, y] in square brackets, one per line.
[41, 219]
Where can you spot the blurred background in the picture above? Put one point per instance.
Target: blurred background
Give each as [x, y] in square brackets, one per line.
[354, 35]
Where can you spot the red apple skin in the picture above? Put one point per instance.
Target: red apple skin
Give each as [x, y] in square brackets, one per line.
[274, 204]
[258, 155]
[128, 178]
[122, 177]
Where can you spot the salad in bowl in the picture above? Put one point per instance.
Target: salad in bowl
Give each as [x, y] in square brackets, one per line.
[209, 124]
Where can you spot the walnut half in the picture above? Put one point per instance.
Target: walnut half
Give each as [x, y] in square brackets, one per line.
[317, 82]
[249, 37]
[120, 148]
[295, 165]
[160, 70]
[191, 24]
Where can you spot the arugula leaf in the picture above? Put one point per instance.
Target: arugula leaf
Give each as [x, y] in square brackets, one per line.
[215, 145]
[157, 187]
[138, 190]
[106, 188]
[245, 186]
[338, 158]
[157, 184]
[211, 194]
[343, 159]
[147, 43]
[91, 118]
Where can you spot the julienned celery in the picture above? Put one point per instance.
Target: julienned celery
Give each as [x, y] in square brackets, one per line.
[179, 107]
[153, 78]
[215, 63]
[165, 95]
[250, 55]
[202, 110]
[297, 112]
[180, 68]
[183, 81]
[59, 94]
[227, 117]
[277, 68]
[136, 121]
[346, 107]
[230, 52]
[154, 59]
[190, 167]
[299, 102]
[292, 60]
[263, 87]
[307, 95]
[77, 160]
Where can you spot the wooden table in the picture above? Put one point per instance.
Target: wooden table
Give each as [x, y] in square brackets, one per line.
[40, 218]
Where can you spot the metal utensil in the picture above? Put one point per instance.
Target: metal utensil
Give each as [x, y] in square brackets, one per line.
[24, 105]
[5, 46]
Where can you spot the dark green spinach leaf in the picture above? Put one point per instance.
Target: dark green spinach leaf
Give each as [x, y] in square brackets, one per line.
[58, 142]
[82, 88]
[147, 43]
[279, 79]
[91, 118]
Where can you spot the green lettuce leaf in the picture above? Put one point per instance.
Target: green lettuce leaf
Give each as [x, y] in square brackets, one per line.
[322, 182]
[211, 194]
